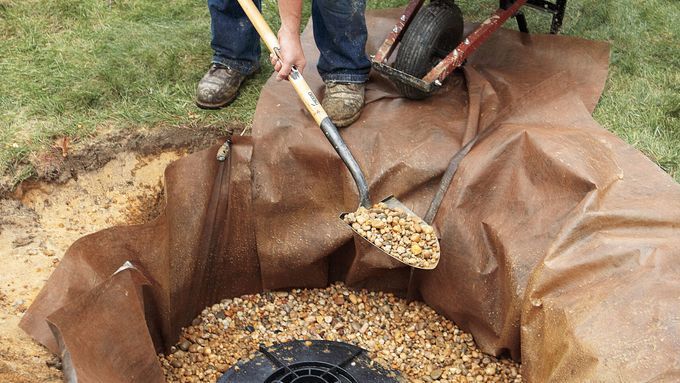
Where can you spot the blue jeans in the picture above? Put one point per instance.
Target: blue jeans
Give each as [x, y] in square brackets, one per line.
[339, 32]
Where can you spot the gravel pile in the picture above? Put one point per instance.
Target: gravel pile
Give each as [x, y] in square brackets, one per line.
[403, 236]
[408, 337]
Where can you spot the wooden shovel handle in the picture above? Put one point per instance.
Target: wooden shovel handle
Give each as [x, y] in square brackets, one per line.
[295, 77]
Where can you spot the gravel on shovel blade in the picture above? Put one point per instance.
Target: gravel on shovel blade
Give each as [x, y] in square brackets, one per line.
[408, 337]
[405, 237]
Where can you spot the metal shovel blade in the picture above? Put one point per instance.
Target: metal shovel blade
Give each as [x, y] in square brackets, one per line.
[393, 203]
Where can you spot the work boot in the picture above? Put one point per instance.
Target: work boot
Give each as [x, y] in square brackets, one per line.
[343, 102]
[219, 87]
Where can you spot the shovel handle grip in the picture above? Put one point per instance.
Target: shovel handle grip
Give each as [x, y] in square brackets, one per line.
[272, 42]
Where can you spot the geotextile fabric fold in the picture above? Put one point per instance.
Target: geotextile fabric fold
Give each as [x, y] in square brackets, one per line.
[560, 242]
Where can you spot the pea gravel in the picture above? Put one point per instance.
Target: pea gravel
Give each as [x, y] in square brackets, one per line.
[409, 337]
[403, 236]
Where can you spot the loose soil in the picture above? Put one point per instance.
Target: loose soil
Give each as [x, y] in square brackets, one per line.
[44, 219]
[91, 154]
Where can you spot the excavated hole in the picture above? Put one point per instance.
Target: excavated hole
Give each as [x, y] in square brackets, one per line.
[38, 227]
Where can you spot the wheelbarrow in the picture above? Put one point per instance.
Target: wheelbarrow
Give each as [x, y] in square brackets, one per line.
[431, 47]
[431, 44]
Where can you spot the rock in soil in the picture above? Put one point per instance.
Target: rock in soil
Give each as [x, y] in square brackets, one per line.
[405, 237]
[409, 337]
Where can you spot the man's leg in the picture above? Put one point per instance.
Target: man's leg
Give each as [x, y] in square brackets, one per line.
[236, 48]
[340, 34]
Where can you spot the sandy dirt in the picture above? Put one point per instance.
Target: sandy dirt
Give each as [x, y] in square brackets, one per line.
[82, 156]
[42, 221]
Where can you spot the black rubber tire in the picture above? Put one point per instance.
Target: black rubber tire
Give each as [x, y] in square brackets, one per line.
[433, 33]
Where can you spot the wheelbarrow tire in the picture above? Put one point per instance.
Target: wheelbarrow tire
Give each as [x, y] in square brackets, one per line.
[436, 30]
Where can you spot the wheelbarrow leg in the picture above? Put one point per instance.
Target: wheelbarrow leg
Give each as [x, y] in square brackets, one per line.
[519, 16]
[522, 22]
[558, 16]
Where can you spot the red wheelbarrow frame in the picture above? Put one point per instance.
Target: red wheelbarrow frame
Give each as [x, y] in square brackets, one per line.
[457, 57]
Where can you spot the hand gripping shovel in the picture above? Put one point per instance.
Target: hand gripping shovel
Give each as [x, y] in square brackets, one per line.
[333, 136]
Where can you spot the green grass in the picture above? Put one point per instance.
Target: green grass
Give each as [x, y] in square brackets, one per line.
[78, 68]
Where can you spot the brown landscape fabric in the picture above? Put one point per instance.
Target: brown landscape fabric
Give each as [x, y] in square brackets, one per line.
[560, 243]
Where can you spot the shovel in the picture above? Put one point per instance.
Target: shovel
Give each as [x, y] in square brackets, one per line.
[329, 129]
